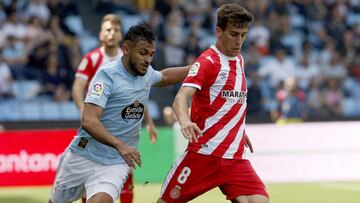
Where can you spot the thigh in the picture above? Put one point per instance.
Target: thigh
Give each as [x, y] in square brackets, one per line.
[190, 176]
[71, 175]
[240, 179]
[107, 179]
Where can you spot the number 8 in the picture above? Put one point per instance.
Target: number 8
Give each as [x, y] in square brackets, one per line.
[184, 175]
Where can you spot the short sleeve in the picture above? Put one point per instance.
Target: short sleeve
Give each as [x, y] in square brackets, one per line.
[197, 74]
[100, 89]
[84, 70]
[154, 76]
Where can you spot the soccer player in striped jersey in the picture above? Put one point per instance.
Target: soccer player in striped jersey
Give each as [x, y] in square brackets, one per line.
[110, 37]
[215, 128]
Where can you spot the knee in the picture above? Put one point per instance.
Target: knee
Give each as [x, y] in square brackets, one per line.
[251, 199]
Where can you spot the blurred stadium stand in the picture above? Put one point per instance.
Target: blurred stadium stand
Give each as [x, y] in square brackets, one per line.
[41, 50]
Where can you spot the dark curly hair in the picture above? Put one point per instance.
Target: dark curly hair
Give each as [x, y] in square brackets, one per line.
[140, 31]
[233, 14]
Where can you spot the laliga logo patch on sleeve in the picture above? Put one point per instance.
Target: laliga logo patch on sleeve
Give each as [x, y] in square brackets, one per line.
[97, 89]
[194, 69]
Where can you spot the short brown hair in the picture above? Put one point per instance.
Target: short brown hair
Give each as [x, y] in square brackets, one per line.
[113, 18]
[234, 14]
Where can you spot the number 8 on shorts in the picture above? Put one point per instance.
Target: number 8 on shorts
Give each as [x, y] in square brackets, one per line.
[184, 175]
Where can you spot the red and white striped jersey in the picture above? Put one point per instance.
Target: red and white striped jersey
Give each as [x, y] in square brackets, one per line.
[219, 105]
[91, 62]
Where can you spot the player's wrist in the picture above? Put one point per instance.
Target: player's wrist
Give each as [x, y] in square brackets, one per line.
[119, 145]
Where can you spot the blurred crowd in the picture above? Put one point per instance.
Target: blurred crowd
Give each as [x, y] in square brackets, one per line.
[36, 44]
[302, 56]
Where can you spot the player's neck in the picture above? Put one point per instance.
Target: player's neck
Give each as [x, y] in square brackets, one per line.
[127, 67]
[219, 47]
[111, 51]
[222, 50]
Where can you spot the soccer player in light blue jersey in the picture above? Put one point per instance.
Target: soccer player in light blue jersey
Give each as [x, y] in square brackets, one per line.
[100, 157]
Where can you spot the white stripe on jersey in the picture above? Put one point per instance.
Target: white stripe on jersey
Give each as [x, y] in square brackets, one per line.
[210, 59]
[171, 172]
[81, 75]
[214, 142]
[94, 58]
[191, 85]
[215, 90]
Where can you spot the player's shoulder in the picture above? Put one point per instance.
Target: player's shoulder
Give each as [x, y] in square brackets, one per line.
[208, 57]
[96, 51]
[94, 55]
[110, 68]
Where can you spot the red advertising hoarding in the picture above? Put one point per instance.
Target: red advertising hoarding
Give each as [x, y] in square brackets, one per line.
[31, 157]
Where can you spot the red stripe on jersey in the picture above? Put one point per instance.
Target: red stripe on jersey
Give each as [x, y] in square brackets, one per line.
[91, 66]
[223, 147]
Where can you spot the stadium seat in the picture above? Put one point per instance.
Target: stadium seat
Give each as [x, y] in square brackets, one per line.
[51, 111]
[26, 89]
[128, 21]
[75, 24]
[10, 110]
[30, 110]
[69, 111]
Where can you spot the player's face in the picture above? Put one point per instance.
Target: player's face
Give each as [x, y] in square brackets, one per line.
[231, 39]
[110, 34]
[140, 56]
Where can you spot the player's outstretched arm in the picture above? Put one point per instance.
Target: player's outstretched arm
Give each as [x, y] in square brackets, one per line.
[173, 75]
[189, 129]
[91, 123]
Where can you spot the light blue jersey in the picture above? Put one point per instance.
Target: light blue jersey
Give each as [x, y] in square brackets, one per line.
[123, 98]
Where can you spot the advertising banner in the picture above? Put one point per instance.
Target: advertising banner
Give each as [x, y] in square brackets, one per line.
[31, 157]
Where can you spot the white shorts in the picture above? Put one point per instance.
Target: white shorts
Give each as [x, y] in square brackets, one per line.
[76, 175]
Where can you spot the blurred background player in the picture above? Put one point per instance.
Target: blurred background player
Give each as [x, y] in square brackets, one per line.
[110, 36]
[216, 83]
[292, 106]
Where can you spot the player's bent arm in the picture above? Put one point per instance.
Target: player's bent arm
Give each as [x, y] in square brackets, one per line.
[77, 93]
[189, 129]
[180, 104]
[91, 123]
[173, 75]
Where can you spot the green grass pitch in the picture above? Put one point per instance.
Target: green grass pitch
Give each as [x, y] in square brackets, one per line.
[339, 192]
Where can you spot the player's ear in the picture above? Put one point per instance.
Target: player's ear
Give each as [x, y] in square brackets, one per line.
[101, 36]
[125, 48]
[218, 32]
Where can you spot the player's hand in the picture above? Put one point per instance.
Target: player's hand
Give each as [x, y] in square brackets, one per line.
[151, 129]
[248, 143]
[130, 155]
[191, 131]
